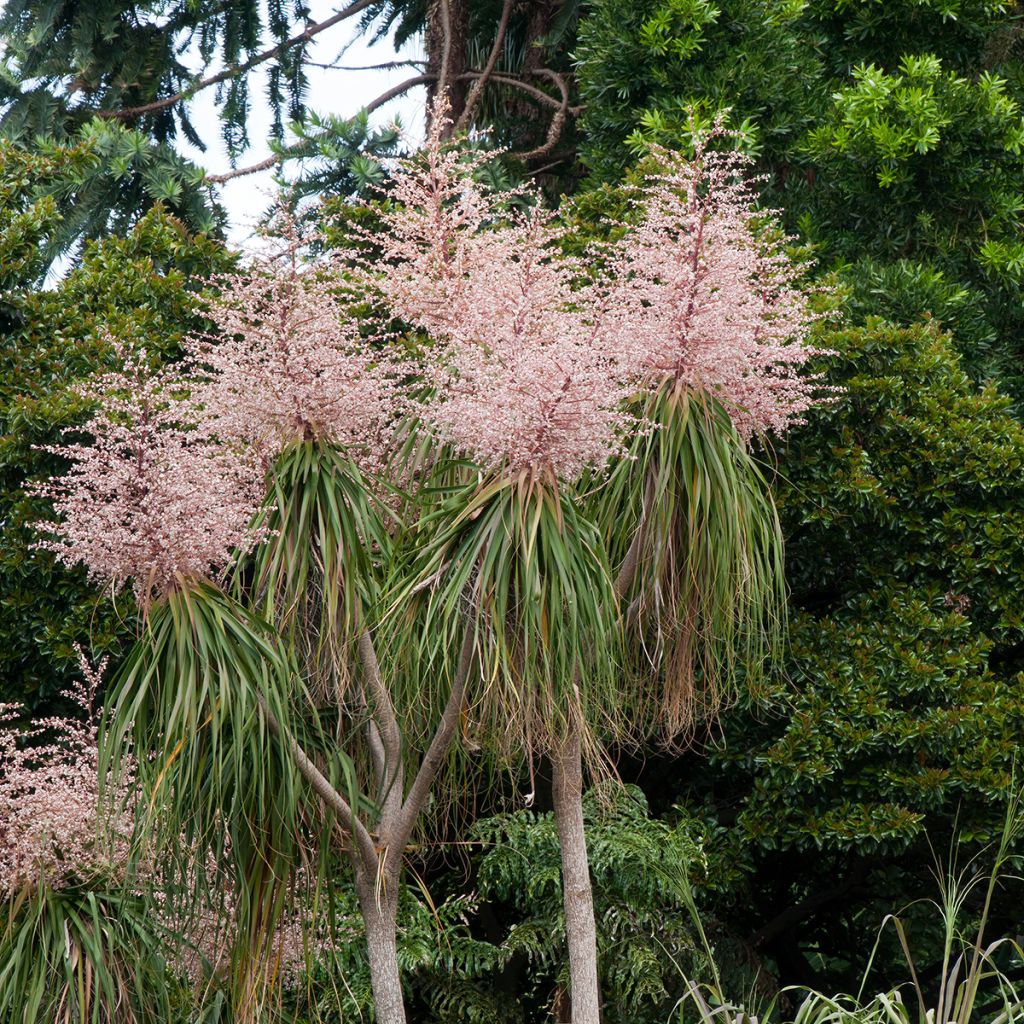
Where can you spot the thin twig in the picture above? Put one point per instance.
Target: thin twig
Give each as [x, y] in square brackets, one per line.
[557, 120]
[322, 787]
[439, 745]
[402, 87]
[240, 172]
[538, 94]
[383, 709]
[410, 83]
[389, 65]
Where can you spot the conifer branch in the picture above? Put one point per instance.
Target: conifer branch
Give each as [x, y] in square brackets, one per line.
[561, 109]
[311, 31]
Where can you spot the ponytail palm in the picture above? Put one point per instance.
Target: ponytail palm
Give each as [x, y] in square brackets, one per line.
[326, 549]
[688, 518]
[368, 630]
[527, 385]
[195, 691]
[533, 358]
[326, 576]
[155, 500]
[517, 557]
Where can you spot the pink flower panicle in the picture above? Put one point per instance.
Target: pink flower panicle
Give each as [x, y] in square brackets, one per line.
[521, 379]
[57, 829]
[286, 362]
[54, 826]
[150, 498]
[435, 209]
[707, 295]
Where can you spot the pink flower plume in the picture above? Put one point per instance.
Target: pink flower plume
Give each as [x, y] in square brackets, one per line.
[149, 497]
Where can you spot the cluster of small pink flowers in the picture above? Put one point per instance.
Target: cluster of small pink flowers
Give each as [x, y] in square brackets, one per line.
[286, 362]
[435, 211]
[54, 827]
[150, 497]
[707, 295]
[521, 378]
[57, 829]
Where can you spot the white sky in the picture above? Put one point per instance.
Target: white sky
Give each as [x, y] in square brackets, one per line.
[338, 92]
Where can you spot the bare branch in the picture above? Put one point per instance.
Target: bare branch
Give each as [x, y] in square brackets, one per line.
[263, 165]
[478, 85]
[531, 90]
[382, 706]
[389, 65]
[382, 710]
[322, 787]
[557, 121]
[402, 87]
[127, 113]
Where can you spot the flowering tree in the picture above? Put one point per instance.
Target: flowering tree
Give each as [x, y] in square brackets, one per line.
[154, 499]
[645, 378]
[453, 541]
[65, 858]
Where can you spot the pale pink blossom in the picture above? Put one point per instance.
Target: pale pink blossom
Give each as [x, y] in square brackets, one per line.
[707, 295]
[58, 829]
[521, 378]
[209, 929]
[149, 497]
[54, 827]
[286, 362]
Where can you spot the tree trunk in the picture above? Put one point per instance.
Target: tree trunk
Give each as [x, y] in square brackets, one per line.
[577, 895]
[456, 41]
[380, 916]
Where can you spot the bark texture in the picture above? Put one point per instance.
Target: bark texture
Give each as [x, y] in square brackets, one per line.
[380, 916]
[447, 42]
[577, 894]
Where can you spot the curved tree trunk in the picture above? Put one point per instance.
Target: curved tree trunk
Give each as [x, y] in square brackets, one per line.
[380, 916]
[577, 894]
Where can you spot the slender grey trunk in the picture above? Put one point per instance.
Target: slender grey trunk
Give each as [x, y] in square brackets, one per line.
[378, 864]
[380, 916]
[577, 894]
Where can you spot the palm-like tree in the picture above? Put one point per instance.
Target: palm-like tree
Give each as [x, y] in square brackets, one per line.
[466, 543]
[698, 312]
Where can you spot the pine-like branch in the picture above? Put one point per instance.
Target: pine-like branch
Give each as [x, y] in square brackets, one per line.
[310, 32]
